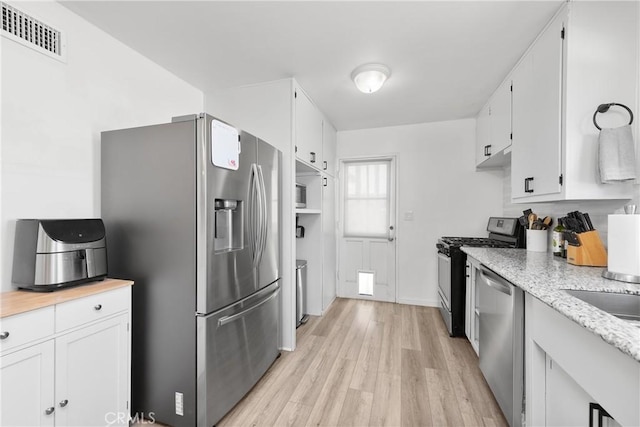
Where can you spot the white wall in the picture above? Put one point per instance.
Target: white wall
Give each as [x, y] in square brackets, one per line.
[437, 180]
[53, 113]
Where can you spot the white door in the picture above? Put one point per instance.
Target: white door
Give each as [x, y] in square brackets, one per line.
[483, 134]
[92, 372]
[328, 242]
[26, 387]
[367, 248]
[537, 117]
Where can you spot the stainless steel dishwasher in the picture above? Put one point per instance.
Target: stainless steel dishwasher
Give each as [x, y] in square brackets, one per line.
[501, 341]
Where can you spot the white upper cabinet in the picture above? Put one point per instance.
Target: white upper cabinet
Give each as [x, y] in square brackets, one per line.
[501, 118]
[483, 135]
[308, 128]
[537, 110]
[586, 56]
[329, 141]
[493, 128]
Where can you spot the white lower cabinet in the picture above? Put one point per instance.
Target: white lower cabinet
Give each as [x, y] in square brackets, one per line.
[568, 404]
[471, 322]
[329, 278]
[26, 386]
[574, 378]
[79, 376]
[92, 375]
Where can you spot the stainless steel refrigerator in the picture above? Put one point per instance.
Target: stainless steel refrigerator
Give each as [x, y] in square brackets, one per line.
[192, 217]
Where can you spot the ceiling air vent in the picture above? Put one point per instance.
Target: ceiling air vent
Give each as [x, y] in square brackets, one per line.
[25, 29]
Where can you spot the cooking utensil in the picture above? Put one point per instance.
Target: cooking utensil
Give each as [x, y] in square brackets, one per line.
[532, 218]
[547, 221]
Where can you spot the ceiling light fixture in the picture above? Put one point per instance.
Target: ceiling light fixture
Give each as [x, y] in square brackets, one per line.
[369, 78]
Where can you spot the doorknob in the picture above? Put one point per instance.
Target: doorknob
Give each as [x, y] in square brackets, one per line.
[390, 238]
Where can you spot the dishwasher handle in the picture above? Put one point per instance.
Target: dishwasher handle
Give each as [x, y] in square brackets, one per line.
[493, 280]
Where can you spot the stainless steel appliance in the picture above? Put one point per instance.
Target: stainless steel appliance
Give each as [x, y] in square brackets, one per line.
[301, 292]
[192, 209]
[54, 253]
[503, 232]
[301, 195]
[501, 309]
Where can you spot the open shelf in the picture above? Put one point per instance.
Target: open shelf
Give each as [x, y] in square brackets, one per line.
[305, 169]
[308, 211]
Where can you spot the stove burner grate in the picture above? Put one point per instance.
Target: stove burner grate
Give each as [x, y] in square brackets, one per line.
[475, 241]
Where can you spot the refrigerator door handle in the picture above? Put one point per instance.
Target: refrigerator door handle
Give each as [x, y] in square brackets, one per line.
[228, 319]
[264, 221]
[254, 215]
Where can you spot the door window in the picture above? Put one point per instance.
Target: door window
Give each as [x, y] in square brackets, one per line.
[366, 198]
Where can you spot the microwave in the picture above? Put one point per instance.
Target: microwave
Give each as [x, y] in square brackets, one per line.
[301, 195]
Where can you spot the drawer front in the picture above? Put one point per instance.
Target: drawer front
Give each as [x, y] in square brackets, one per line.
[26, 327]
[93, 307]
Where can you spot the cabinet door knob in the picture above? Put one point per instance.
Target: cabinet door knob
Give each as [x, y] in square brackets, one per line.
[313, 157]
[49, 410]
[63, 403]
[4, 335]
[324, 165]
[97, 307]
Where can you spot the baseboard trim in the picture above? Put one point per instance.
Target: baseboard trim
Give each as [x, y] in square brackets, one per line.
[424, 303]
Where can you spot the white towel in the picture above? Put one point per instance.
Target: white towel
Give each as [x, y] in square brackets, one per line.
[616, 155]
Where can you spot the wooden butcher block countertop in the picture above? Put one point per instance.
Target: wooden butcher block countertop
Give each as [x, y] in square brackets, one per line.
[21, 301]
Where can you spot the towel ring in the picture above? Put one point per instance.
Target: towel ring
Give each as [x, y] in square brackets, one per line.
[603, 108]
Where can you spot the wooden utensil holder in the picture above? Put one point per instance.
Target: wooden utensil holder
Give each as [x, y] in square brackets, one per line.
[591, 251]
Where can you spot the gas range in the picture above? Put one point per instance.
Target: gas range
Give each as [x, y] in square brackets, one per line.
[446, 244]
[503, 233]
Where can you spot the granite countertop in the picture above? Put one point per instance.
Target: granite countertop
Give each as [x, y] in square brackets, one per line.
[545, 277]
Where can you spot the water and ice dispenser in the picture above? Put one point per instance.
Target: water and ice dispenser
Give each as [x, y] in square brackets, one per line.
[228, 233]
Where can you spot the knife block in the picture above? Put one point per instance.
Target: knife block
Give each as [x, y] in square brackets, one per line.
[591, 251]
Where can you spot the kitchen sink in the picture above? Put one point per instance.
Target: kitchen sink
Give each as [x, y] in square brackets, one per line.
[623, 306]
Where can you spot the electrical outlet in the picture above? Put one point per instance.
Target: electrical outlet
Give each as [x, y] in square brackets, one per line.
[179, 404]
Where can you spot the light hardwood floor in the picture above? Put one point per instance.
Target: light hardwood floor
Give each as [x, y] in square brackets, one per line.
[368, 363]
